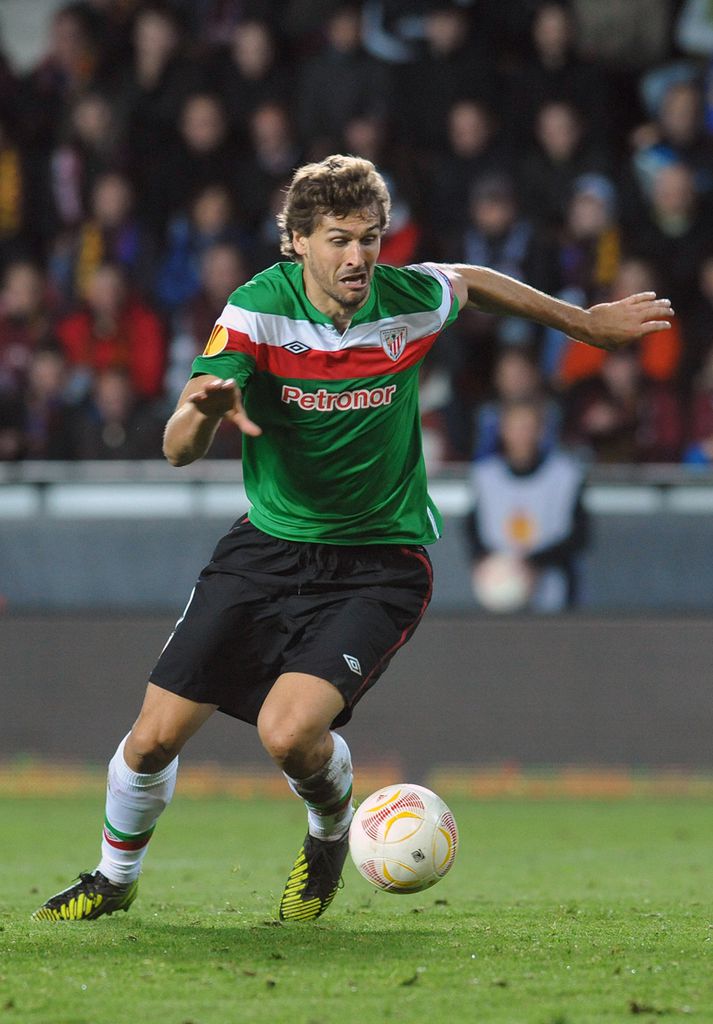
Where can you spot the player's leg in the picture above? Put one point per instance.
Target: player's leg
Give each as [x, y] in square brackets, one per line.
[344, 646]
[294, 727]
[140, 784]
[142, 778]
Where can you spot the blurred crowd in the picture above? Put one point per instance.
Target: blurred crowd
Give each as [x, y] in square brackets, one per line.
[143, 158]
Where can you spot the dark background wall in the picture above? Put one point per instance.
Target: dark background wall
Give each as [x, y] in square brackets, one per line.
[466, 690]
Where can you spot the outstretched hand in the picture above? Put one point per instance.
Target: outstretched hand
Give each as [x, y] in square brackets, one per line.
[222, 399]
[613, 324]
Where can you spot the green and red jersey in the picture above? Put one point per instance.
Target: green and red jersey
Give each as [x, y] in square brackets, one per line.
[340, 459]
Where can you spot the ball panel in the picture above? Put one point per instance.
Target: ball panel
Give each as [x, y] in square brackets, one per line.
[401, 827]
[445, 844]
[381, 806]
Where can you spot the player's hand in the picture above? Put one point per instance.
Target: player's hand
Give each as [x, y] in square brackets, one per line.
[222, 399]
[613, 324]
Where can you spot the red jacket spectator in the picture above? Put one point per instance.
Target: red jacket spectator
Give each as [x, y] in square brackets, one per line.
[116, 330]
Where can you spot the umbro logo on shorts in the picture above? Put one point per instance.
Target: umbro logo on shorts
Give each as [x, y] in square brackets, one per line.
[353, 663]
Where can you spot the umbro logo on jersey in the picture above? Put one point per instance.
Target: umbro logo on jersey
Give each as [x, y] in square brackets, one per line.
[393, 341]
[353, 663]
[296, 348]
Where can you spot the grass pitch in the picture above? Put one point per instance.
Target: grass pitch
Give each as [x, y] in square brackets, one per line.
[555, 913]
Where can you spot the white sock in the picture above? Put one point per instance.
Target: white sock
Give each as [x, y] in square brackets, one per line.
[328, 794]
[134, 803]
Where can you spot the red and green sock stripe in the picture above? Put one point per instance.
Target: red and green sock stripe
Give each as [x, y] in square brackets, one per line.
[126, 840]
[332, 808]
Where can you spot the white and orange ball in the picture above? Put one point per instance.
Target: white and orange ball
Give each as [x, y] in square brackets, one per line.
[502, 583]
[403, 838]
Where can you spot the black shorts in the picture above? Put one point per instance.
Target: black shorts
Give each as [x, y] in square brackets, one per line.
[265, 606]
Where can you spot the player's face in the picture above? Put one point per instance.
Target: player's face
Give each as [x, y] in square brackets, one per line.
[338, 260]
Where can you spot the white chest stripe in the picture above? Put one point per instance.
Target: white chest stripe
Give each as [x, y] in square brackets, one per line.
[273, 329]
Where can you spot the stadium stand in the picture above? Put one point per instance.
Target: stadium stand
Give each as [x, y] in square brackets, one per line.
[148, 145]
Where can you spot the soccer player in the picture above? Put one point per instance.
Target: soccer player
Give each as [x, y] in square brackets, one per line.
[311, 593]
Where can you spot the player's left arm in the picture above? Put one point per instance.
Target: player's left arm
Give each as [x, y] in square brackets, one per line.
[607, 325]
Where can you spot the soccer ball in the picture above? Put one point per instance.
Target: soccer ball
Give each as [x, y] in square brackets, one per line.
[502, 583]
[403, 838]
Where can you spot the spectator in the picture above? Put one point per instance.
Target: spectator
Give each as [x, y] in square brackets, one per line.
[678, 134]
[248, 73]
[589, 246]
[555, 72]
[112, 422]
[455, 66]
[696, 324]
[588, 256]
[204, 153]
[528, 524]
[660, 358]
[210, 222]
[274, 156]
[91, 148]
[499, 236]
[674, 234]
[339, 83]
[111, 232]
[223, 268]
[25, 323]
[114, 329]
[70, 66]
[561, 154]
[516, 378]
[621, 416]
[36, 423]
[149, 95]
[473, 151]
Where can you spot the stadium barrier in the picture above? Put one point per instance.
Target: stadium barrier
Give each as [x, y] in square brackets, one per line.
[132, 536]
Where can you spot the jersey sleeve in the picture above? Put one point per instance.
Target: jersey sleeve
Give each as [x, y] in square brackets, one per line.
[230, 350]
[450, 306]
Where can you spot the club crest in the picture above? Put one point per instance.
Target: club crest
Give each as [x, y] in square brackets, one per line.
[393, 341]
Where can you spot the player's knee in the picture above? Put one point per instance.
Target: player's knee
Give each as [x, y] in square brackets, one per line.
[151, 749]
[281, 744]
[297, 752]
[290, 748]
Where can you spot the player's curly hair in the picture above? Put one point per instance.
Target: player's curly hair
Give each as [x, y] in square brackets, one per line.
[336, 186]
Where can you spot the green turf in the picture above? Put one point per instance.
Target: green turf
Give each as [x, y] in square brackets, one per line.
[555, 913]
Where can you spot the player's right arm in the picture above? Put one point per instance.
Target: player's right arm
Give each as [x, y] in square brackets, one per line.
[204, 402]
